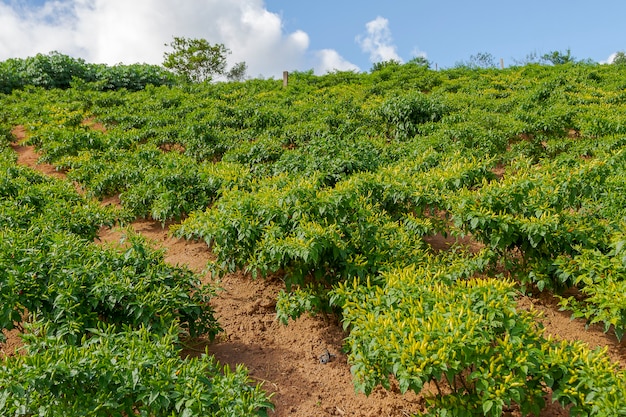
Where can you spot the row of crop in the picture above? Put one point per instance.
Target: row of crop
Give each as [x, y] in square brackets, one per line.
[258, 122]
[275, 130]
[535, 210]
[466, 347]
[130, 372]
[150, 182]
[48, 259]
[600, 277]
[359, 227]
[556, 222]
[62, 279]
[101, 323]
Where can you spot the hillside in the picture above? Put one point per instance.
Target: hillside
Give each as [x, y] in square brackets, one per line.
[433, 215]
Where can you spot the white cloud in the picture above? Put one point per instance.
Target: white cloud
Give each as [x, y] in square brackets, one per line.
[125, 31]
[26, 32]
[329, 60]
[378, 41]
[610, 59]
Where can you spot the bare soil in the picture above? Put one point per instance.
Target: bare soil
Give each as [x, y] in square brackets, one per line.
[286, 358]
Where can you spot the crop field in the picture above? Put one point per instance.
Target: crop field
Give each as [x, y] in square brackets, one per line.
[414, 208]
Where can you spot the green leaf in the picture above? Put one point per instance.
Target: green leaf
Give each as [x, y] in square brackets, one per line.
[487, 405]
[135, 378]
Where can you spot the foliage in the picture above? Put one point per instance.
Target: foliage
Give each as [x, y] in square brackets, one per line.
[358, 227]
[421, 327]
[32, 201]
[601, 279]
[420, 61]
[479, 60]
[53, 271]
[373, 195]
[404, 114]
[619, 58]
[55, 70]
[61, 279]
[237, 72]
[102, 324]
[133, 77]
[558, 57]
[135, 372]
[197, 60]
[293, 304]
[378, 66]
[530, 58]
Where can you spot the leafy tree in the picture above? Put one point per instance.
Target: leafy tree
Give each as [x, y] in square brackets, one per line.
[53, 70]
[480, 60]
[419, 61]
[558, 57]
[483, 60]
[56, 70]
[392, 63]
[237, 72]
[620, 58]
[196, 59]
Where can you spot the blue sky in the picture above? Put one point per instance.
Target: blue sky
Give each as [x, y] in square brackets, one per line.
[276, 35]
[450, 31]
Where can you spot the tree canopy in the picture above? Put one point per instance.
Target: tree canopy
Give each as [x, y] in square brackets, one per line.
[620, 58]
[197, 60]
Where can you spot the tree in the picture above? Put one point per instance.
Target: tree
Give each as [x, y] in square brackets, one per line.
[420, 61]
[196, 59]
[619, 58]
[480, 60]
[483, 60]
[558, 58]
[392, 63]
[237, 72]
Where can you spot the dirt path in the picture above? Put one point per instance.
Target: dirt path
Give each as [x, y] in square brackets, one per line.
[285, 358]
[560, 325]
[28, 157]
